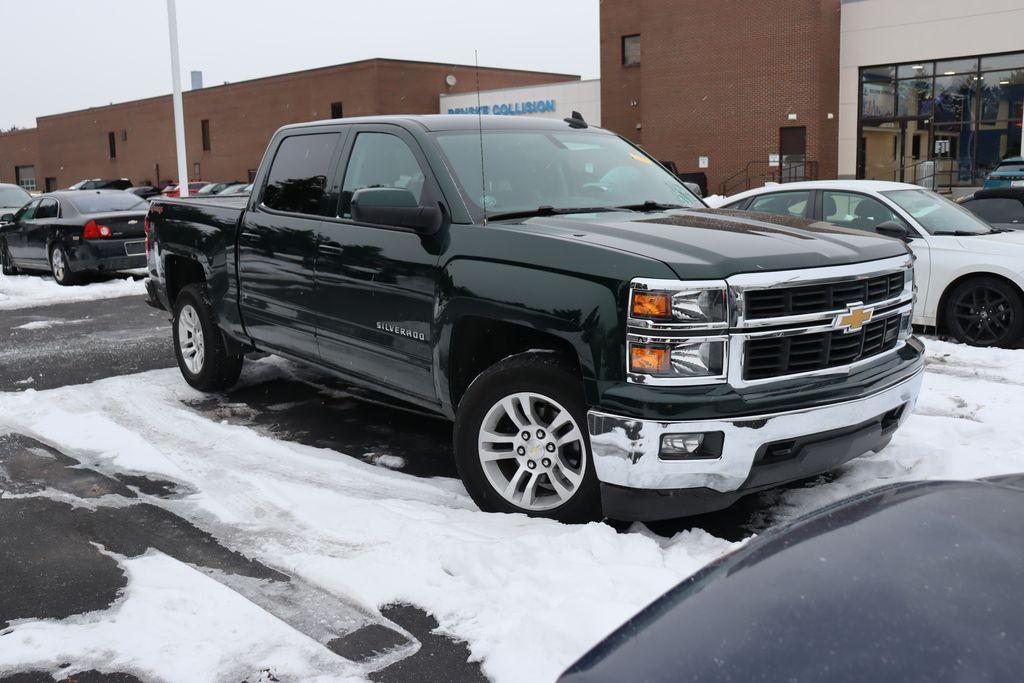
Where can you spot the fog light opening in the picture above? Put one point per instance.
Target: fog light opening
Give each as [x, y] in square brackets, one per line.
[691, 446]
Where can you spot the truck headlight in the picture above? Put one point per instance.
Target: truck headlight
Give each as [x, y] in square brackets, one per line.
[699, 360]
[679, 304]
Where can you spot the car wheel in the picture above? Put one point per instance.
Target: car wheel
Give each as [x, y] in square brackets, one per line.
[521, 442]
[6, 264]
[199, 345]
[985, 311]
[59, 266]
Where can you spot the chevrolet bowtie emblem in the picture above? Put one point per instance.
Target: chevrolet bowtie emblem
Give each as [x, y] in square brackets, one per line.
[855, 317]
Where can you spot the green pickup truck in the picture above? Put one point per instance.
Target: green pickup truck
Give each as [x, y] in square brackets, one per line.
[605, 344]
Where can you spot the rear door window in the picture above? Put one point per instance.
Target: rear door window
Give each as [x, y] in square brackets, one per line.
[997, 209]
[47, 209]
[298, 177]
[792, 204]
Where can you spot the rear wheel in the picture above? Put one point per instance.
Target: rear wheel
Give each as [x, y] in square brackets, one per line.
[985, 311]
[521, 443]
[6, 264]
[199, 345]
[59, 266]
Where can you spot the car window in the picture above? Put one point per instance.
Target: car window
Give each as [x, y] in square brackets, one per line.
[938, 215]
[106, 202]
[297, 182]
[997, 209]
[13, 197]
[380, 160]
[853, 210]
[47, 209]
[27, 212]
[792, 204]
[1013, 167]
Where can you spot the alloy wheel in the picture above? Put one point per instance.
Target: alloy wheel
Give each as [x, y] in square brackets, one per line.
[57, 264]
[190, 339]
[983, 314]
[532, 451]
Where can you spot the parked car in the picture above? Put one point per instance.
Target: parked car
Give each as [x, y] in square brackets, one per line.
[193, 187]
[970, 276]
[235, 188]
[144, 191]
[102, 184]
[75, 233]
[215, 188]
[1002, 207]
[1008, 173]
[603, 343]
[12, 198]
[917, 581]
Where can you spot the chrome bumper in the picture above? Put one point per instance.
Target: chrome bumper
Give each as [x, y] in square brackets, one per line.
[626, 449]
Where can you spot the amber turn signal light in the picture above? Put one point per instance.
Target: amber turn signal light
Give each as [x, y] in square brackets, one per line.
[649, 360]
[647, 305]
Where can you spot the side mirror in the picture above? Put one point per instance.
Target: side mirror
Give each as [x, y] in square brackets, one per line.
[893, 229]
[7, 218]
[396, 207]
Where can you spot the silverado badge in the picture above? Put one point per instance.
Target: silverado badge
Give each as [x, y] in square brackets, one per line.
[855, 317]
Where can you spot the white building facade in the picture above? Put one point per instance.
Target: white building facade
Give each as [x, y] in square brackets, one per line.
[554, 100]
[931, 91]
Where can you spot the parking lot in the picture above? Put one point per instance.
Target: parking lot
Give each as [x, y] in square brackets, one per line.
[296, 528]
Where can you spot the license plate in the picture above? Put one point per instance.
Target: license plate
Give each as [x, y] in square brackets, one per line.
[1017, 183]
[135, 248]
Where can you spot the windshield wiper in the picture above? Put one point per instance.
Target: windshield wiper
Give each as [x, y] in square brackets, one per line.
[651, 206]
[547, 211]
[967, 233]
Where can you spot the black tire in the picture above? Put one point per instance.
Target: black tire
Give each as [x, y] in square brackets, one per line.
[985, 311]
[60, 267]
[217, 369]
[544, 375]
[7, 266]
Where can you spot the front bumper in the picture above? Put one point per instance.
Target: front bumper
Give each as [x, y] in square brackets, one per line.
[626, 450]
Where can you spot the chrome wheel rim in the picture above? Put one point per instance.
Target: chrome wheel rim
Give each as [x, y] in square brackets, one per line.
[57, 262]
[532, 451]
[190, 339]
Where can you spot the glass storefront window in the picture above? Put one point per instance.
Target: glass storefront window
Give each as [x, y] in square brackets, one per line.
[1014, 61]
[877, 100]
[914, 98]
[877, 73]
[915, 70]
[996, 141]
[954, 98]
[952, 67]
[1001, 95]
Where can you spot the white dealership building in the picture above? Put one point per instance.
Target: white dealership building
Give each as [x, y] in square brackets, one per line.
[556, 100]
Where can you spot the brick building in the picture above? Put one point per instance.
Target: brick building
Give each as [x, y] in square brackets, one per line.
[227, 127]
[727, 80]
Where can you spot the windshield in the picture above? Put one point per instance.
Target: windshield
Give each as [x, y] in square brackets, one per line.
[938, 215]
[1015, 167]
[13, 197]
[108, 202]
[525, 170]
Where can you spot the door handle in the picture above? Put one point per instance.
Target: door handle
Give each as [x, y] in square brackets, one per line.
[330, 249]
[250, 235]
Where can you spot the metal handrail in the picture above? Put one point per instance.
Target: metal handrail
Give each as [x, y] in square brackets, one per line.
[780, 174]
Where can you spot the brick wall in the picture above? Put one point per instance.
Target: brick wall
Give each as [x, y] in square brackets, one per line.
[242, 116]
[721, 77]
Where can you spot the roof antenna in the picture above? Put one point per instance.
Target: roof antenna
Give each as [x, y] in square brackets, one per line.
[480, 128]
[576, 121]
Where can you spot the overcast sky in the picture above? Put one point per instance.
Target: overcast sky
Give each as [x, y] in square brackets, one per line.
[61, 56]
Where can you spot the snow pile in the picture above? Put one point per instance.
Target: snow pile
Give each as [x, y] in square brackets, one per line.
[26, 291]
[528, 595]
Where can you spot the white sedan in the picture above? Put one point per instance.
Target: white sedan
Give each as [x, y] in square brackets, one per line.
[969, 275]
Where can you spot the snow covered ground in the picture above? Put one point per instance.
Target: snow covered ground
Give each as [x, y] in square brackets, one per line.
[26, 291]
[529, 596]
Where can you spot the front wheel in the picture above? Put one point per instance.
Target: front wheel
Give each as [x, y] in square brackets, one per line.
[203, 355]
[6, 263]
[521, 443]
[985, 311]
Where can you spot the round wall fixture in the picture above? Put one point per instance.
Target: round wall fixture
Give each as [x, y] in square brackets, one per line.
[450, 80]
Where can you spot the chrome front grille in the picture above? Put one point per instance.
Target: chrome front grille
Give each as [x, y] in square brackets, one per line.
[823, 297]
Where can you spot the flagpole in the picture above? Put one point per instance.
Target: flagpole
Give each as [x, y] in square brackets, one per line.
[179, 116]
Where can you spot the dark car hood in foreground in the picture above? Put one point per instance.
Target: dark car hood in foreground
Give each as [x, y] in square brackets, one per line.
[914, 582]
[716, 243]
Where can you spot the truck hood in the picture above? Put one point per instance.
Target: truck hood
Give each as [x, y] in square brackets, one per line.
[717, 243]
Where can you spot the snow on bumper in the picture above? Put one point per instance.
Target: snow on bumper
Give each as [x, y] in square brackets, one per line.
[626, 450]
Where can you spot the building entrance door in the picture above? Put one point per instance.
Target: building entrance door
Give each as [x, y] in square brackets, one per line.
[793, 150]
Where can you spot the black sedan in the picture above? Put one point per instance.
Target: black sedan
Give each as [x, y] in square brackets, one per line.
[1003, 207]
[920, 581]
[75, 233]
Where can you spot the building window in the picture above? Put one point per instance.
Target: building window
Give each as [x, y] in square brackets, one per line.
[124, 135]
[336, 111]
[112, 143]
[205, 125]
[631, 50]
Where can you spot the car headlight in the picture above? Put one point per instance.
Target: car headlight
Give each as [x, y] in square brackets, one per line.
[665, 303]
[697, 361]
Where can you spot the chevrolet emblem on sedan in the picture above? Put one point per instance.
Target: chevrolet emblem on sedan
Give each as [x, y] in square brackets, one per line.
[855, 317]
